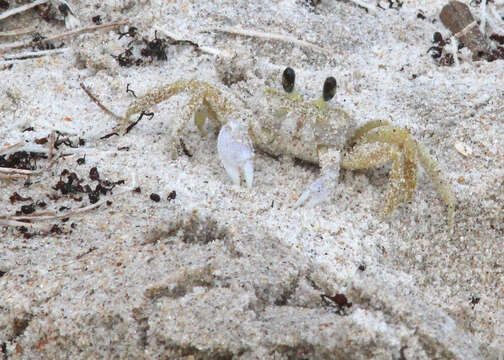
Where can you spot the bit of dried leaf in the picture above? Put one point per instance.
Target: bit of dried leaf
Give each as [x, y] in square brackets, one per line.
[463, 149]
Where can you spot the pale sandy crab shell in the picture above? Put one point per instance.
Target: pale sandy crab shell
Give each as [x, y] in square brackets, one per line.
[299, 129]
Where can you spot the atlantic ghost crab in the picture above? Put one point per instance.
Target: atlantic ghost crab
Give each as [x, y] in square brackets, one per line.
[282, 122]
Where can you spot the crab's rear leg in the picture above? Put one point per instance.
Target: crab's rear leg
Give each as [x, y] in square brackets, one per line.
[437, 176]
[364, 129]
[364, 156]
[403, 177]
[376, 154]
[412, 151]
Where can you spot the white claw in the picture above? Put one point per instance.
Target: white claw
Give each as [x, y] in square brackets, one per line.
[236, 152]
[319, 190]
[316, 193]
[248, 172]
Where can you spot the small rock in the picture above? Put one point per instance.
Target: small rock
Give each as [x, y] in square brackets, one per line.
[463, 149]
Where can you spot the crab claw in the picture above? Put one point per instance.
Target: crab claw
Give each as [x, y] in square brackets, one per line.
[316, 193]
[320, 190]
[236, 153]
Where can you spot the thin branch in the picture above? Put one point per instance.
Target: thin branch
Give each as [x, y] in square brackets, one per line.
[83, 30]
[39, 227]
[10, 148]
[16, 32]
[100, 105]
[65, 215]
[268, 36]
[205, 49]
[43, 213]
[32, 54]
[51, 145]
[20, 171]
[21, 9]
[64, 35]
[13, 176]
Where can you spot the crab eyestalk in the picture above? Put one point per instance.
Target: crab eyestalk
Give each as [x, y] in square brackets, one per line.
[288, 80]
[329, 89]
[288, 83]
[328, 92]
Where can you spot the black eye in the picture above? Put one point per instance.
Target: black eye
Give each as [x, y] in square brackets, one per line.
[288, 79]
[329, 89]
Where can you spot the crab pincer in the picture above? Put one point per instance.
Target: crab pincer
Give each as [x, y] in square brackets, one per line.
[236, 152]
[318, 192]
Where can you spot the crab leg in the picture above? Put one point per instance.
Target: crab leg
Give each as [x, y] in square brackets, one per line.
[411, 151]
[361, 131]
[410, 170]
[395, 194]
[368, 155]
[387, 134]
[159, 94]
[320, 190]
[442, 185]
[236, 152]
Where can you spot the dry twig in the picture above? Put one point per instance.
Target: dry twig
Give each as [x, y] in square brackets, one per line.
[24, 172]
[16, 32]
[64, 35]
[61, 216]
[204, 49]
[31, 54]
[21, 9]
[13, 176]
[100, 105]
[38, 227]
[269, 36]
[51, 145]
[10, 148]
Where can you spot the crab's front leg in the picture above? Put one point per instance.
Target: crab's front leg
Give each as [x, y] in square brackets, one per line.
[206, 102]
[320, 190]
[236, 152]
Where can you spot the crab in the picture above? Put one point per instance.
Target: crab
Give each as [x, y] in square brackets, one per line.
[281, 122]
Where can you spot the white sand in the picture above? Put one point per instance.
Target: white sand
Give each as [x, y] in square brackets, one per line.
[253, 291]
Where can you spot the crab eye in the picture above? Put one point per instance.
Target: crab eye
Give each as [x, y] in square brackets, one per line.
[329, 89]
[288, 79]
